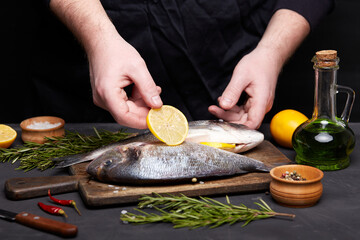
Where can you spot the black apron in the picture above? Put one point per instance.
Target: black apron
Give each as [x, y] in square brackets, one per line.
[190, 47]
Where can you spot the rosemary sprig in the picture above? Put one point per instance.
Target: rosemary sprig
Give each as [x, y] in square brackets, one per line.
[184, 211]
[34, 155]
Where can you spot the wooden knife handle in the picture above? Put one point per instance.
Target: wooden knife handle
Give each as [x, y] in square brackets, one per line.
[29, 187]
[46, 224]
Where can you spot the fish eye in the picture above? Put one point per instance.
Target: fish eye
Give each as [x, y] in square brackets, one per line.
[108, 163]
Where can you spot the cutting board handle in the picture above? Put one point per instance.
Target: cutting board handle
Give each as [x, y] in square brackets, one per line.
[29, 187]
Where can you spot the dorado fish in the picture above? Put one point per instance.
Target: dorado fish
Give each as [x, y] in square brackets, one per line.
[243, 137]
[144, 163]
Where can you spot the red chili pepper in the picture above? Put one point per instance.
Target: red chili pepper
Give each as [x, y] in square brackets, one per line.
[52, 209]
[64, 202]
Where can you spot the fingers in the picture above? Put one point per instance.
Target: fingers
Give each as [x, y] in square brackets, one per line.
[236, 114]
[250, 114]
[136, 95]
[239, 117]
[230, 96]
[124, 111]
[232, 92]
[233, 115]
[146, 86]
[131, 111]
[260, 102]
[255, 110]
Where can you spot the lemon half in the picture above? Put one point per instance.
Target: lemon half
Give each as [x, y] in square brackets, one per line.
[7, 136]
[168, 124]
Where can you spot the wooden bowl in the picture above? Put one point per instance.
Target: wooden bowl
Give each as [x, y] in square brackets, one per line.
[32, 132]
[296, 193]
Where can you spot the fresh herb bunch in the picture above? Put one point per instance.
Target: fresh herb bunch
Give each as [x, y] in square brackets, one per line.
[184, 211]
[34, 155]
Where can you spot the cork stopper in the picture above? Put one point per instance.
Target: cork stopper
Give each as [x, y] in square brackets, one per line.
[326, 58]
[324, 55]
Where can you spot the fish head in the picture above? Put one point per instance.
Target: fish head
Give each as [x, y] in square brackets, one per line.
[107, 166]
[220, 131]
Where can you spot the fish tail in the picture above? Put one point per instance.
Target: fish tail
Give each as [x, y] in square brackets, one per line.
[70, 160]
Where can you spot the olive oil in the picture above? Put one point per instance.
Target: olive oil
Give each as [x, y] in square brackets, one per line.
[326, 141]
[324, 144]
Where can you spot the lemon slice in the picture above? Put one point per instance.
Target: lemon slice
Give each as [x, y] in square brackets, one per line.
[168, 124]
[7, 136]
[219, 145]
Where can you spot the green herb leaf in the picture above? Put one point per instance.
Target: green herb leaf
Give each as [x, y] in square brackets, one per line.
[183, 211]
[34, 155]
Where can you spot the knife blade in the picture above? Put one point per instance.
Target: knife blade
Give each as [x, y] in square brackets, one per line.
[41, 223]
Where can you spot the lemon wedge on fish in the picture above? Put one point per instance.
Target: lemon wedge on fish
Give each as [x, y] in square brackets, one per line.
[7, 136]
[168, 124]
[219, 145]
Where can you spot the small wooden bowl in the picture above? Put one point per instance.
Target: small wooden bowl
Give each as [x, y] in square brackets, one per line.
[37, 135]
[296, 193]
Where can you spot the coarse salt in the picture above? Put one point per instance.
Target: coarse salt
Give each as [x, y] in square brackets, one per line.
[123, 212]
[43, 125]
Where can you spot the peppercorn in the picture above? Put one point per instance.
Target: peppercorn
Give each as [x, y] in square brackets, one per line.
[292, 176]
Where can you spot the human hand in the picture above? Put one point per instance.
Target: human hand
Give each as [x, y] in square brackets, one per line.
[256, 74]
[114, 65]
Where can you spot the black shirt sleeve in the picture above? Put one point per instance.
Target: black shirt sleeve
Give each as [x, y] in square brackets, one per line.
[312, 11]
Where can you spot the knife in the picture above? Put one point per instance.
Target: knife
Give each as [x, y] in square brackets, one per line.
[41, 223]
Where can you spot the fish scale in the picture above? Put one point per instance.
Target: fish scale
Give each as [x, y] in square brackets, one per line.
[161, 164]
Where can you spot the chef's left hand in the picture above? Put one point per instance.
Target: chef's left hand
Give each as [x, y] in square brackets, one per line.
[256, 74]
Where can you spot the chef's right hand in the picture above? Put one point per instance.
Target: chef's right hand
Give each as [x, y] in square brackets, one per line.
[115, 64]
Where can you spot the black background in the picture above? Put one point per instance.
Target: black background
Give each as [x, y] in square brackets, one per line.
[339, 31]
[33, 39]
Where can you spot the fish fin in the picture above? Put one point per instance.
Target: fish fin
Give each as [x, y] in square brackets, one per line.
[69, 160]
[66, 161]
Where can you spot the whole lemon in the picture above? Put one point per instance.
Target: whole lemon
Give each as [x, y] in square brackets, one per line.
[283, 125]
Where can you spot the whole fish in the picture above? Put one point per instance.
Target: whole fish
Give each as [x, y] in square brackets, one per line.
[144, 163]
[243, 137]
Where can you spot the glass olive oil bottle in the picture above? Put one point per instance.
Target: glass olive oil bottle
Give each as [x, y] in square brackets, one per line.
[325, 141]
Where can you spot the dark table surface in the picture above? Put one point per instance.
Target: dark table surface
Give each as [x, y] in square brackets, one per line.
[335, 216]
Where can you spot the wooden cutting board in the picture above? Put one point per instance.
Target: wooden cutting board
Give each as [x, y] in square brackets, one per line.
[97, 194]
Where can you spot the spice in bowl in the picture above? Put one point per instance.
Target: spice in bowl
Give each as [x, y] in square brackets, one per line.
[292, 176]
[37, 128]
[43, 125]
[289, 188]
